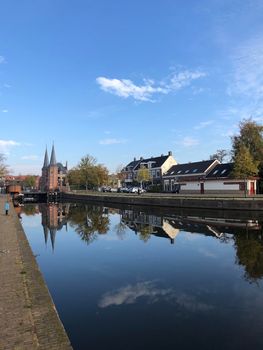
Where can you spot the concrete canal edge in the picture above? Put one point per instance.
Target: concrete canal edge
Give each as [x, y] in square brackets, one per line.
[29, 319]
[171, 200]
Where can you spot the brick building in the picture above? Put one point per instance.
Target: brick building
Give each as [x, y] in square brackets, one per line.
[54, 175]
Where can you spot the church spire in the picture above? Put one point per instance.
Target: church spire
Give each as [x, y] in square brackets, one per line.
[53, 156]
[46, 161]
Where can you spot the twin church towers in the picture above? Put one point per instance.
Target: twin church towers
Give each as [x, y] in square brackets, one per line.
[54, 175]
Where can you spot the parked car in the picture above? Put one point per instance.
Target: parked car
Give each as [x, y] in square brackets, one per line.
[133, 190]
[137, 189]
[106, 189]
[123, 189]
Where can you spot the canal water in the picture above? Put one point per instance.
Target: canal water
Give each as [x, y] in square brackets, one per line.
[147, 278]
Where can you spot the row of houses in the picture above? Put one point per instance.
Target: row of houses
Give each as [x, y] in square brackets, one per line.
[209, 176]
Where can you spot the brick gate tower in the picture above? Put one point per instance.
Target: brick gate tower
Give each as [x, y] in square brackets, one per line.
[54, 175]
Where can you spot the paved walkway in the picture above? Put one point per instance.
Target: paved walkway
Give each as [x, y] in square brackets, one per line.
[28, 318]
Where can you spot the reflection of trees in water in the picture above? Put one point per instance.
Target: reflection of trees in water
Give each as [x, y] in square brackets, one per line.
[249, 253]
[88, 221]
[144, 232]
[120, 229]
[30, 209]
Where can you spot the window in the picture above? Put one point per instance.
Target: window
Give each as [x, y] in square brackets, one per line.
[178, 172]
[186, 171]
[223, 171]
[195, 170]
[216, 171]
[157, 173]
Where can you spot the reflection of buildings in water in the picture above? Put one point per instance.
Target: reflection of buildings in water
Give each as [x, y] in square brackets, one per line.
[54, 217]
[170, 226]
[158, 225]
[167, 230]
[245, 235]
[217, 227]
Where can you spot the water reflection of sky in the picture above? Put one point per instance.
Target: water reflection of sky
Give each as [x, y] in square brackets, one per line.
[118, 282]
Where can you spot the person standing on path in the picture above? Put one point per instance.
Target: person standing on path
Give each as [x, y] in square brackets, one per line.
[7, 207]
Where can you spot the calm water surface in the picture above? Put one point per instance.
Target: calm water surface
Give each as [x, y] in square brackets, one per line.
[136, 278]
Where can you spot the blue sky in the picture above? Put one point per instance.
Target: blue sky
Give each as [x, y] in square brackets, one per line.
[122, 79]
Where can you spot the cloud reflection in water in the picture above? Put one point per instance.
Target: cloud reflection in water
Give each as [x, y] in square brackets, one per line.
[131, 294]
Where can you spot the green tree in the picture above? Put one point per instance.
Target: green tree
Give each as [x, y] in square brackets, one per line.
[88, 173]
[220, 155]
[143, 175]
[250, 136]
[86, 170]
[30, 181]
[101, 175]
[3, 166]
[244, 164]
[74, 178]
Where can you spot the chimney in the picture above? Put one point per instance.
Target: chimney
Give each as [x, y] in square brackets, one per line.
[170, 153]
[134, 159]
[162, 155]
[141, 158]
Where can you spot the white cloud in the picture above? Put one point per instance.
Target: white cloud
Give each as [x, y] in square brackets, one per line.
[247, 78]
[203, 124]
[112, 141]
[131, 294]
[189, 141]
[5, 145]
[184, 78]
[126, 88]
[2, 59]
[30, 157]
[5, 111]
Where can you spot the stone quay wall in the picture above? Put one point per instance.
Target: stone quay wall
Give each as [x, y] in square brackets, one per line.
[28, 317]
[227, 202]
